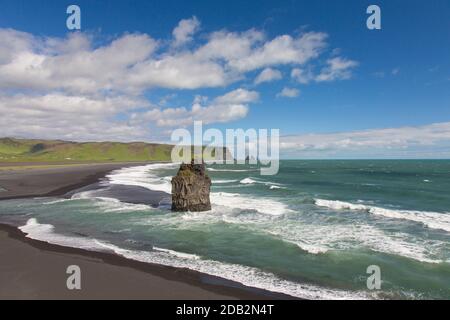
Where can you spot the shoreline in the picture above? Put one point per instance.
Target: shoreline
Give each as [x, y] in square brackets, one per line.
[199, 285]
[82, 174]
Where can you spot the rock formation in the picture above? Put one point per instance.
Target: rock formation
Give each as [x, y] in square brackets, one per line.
[190, 188]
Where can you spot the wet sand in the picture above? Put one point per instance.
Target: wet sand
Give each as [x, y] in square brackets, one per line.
[51, 180]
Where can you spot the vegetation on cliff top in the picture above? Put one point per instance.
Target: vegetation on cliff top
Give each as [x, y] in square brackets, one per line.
[34, 150]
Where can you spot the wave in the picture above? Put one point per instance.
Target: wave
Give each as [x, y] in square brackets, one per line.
[178, 254]
[272, 185]
[302, 244]
[107, 204]
[319, 239]
[247, 276]
[45, 232]
[231, 170]
[433, 220]
[143, 176]
[238, 201]
[224, 181]
[248, 181]
[56, 201]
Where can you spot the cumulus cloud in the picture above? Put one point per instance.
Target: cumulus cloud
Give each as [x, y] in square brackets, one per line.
[238, 96]
[133, 63]
[48, 64]
[185, 30]
[77, 86]
[395, 141]
[337, 69]
[67, 117]
[268, 75]
[289, 93]
[281, 50]
[302, 76]
[231, 106]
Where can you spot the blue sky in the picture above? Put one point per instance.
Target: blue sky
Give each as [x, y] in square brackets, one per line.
[358, 93]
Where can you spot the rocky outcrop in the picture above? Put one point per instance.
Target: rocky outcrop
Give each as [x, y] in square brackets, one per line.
[190, 188]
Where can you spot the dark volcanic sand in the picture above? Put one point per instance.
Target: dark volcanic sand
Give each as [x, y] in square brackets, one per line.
[52, 181]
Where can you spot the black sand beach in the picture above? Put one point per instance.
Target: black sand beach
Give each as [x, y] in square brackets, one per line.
[32, 269]
[21, 180]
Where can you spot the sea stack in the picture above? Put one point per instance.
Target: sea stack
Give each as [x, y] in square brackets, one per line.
[190, 188]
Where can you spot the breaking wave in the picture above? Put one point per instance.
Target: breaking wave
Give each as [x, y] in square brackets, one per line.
[433, 220]
[245, 275]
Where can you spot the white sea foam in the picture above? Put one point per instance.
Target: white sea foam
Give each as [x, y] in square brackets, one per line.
[251, 181]
[178, 254]
[223, 181]
[107, 204]
[238, 201]
[45, 232]
[56, 201]
[143, 176]
[276, 187]
[247, 181]
[231, 170]
[322, 238]
[245, 275]
[433, 220]
[302, 244]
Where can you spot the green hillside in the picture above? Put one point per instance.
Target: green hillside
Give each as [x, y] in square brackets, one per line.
[30, 150]
[35, 150]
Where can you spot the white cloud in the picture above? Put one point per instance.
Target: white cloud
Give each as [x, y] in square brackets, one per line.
[302, 76]
[47, 64]
[228, 107]
[134, 63]
[181, 71]
[64, 104]
[337, 69]
[238, 96]
[289, 93]
[394, 141]
[72, 87]
[67, 117]
[268, 75]
[185, 30]
[283, 50]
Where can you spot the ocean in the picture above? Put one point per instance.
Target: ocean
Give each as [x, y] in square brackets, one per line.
[311, 231]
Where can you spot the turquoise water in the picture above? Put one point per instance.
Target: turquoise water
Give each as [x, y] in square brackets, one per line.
[310, 231]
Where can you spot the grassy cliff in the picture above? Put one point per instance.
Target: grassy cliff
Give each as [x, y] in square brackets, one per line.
[31, 150]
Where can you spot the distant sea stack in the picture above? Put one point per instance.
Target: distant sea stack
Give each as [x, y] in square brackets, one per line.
[190, 188]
